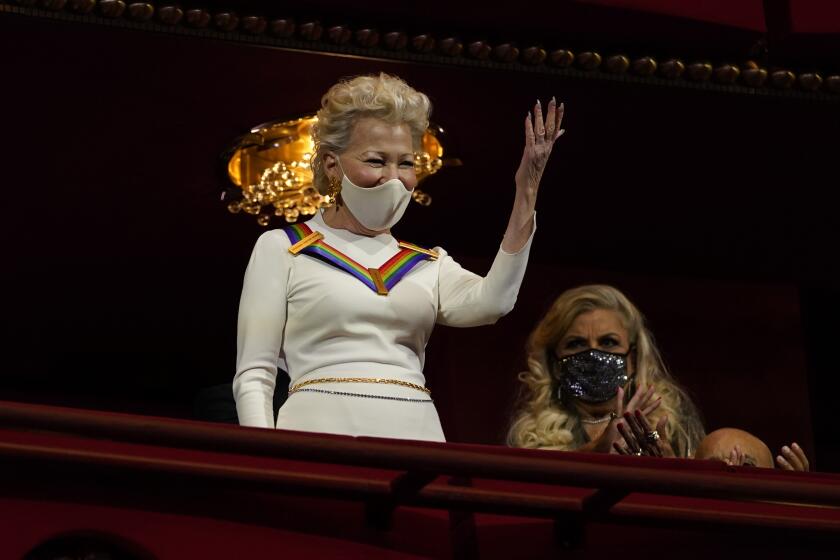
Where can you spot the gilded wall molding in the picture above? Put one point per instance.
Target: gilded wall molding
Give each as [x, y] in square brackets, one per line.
[310, 35]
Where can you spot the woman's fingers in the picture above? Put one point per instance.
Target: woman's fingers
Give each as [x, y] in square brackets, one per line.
[620, 449]
[549, 129]
[634, 401]
[539, 123]
[640, 399]
[619, 404]
[638, 432]
[664, 443]
[648, 436]
[632, 444]
[651, 436]
[550, 119]
[662, 424]
[646, 397]
[558, 132]
[652, 406]
[540, 134]
[638, 423]
[529, 132]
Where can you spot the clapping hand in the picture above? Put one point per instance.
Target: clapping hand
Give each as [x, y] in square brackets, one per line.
[643, 402]
[641, 439]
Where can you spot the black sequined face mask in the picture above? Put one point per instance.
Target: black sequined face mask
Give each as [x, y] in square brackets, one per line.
[592, 376]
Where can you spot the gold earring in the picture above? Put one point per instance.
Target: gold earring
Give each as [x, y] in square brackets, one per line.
[334, 190]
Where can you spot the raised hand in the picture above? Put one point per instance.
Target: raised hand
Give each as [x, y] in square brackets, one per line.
[540, 135]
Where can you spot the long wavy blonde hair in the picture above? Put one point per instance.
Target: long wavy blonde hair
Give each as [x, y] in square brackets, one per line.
[543, 421]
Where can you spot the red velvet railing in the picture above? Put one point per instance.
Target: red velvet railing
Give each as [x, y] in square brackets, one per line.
[131, 452]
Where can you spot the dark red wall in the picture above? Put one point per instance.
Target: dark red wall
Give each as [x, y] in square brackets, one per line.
[124, 267]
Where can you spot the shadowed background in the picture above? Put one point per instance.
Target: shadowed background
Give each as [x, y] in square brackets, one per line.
[708, 209]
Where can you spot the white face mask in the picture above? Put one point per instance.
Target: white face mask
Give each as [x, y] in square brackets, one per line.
[377, 208]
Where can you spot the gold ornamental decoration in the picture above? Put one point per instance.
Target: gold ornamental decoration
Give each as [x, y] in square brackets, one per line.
[271, 166]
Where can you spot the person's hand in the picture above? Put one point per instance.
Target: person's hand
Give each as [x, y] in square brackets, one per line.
[736, 458]
[540, 136]
[793, 459]
[642, 401]
[641, 439]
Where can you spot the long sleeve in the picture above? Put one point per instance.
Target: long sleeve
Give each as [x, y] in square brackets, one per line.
[262, 320]
[468, 300]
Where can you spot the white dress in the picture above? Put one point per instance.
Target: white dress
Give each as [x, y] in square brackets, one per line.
[316, 320]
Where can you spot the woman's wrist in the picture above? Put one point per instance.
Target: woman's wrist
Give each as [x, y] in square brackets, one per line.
[527, 190]
[524, 205]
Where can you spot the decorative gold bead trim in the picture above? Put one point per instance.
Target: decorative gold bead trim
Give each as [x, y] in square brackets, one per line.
[310, 35]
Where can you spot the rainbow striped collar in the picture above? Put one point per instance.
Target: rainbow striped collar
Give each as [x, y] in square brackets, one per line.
[381, 280]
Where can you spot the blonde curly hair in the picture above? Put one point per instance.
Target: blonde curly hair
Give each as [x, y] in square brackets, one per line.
[384, 97]
[543, 421]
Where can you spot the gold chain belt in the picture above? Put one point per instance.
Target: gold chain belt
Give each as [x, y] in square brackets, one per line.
[298, 386]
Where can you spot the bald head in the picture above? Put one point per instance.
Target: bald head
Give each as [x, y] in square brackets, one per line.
[718, 444]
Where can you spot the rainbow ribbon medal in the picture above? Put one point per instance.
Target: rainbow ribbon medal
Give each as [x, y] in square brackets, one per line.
[380, 280]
